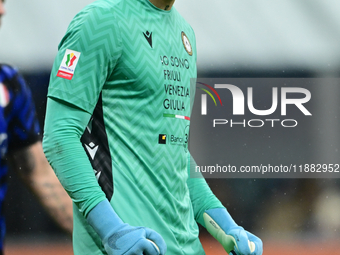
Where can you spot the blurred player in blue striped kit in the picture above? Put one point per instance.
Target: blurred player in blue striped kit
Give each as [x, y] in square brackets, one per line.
[21, 149]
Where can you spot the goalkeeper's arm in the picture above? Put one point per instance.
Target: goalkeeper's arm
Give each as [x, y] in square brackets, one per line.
[211, 214]
[64, 125]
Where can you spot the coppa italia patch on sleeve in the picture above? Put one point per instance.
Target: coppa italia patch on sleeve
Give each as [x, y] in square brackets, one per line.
[68, 64]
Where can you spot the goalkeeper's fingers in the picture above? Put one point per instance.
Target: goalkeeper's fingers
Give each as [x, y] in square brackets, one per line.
[156, 241]
[242, 246]
[257, 243]
[246, 243]
[144, 247]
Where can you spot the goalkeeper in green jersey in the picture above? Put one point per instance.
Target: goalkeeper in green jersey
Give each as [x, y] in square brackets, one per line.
[116, 129]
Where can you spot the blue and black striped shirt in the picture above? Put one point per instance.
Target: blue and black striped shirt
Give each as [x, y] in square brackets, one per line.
[19, 125]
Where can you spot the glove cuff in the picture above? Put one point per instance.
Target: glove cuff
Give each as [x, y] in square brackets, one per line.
[104, 219]
[222, 218]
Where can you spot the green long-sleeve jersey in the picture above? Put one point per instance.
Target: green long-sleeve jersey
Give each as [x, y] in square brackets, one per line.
[129, 65]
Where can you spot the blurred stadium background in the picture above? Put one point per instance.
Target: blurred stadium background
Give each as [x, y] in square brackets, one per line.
[283, 38]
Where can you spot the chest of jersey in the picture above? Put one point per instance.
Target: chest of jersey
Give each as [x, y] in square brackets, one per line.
[156, 64]
[148, 95]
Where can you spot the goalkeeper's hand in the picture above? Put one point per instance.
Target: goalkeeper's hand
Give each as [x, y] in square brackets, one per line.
[234, 239]
[121, 238]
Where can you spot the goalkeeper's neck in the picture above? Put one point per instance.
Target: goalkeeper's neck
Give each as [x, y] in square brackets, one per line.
[163, 4]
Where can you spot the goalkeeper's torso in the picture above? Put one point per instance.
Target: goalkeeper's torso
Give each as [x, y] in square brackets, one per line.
[137, 139]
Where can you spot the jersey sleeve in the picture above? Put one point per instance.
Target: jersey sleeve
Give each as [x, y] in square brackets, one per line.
[201, 196]
[89, 49]
[66, 155]
[23, 125]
